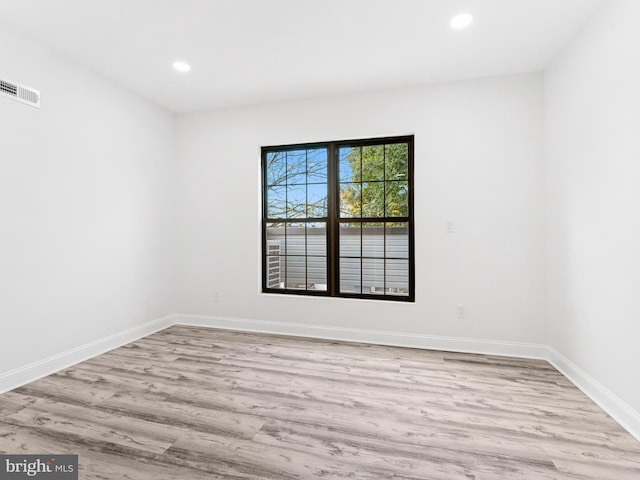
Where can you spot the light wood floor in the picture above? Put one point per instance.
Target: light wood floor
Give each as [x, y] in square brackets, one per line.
[195, 403]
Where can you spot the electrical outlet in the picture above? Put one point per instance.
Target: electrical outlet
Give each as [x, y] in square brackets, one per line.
[461, 311]
[449, 228]
[215, 296]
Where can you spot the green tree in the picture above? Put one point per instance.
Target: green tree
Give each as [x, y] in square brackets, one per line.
[379, 185]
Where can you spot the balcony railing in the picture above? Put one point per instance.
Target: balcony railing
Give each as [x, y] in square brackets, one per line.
[296, 259]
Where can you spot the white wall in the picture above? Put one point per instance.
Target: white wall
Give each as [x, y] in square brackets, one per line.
[592, 103]
[478, 150]
[86, 246]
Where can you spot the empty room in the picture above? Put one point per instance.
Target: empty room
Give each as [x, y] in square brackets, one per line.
[333, 239]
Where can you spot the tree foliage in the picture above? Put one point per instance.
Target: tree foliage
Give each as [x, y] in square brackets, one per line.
[378, 181]
[373, 182]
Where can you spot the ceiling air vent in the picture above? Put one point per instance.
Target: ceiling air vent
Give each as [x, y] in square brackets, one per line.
[18, 92]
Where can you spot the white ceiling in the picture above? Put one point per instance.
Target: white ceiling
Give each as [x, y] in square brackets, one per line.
[254, 51]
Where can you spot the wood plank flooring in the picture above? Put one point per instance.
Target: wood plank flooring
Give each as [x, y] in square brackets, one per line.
[196, 403]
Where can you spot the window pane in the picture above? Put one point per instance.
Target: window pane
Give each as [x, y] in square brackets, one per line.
[276, 202]
[297, 167]
[295, 268]
[317, 273]
[295, 243]
[350, 240]
[316, 239]
[349, 275]
[317, 200]
[317, 166]
[373, 240]
[397, 277]
[349, 164]
[373, 199]
[373, 163]
[397, 161]
[296, 201]
[276, 168]
[397, 199]
[397, 240]
[373, 276]
[350, 200]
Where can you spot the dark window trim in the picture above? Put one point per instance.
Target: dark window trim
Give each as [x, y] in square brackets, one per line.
[333, 220]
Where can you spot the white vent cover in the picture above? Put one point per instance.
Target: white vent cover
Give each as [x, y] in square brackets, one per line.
[18, 92]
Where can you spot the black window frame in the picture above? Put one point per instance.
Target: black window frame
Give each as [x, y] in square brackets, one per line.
[334, 220]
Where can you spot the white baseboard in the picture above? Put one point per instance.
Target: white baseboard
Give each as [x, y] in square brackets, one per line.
[395, 339]
[617, 408]
[41, 368]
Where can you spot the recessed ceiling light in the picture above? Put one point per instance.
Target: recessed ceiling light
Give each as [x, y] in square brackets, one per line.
[462, 20]
[181, 66]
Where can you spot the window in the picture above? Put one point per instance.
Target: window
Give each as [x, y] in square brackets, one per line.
[337, 219]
